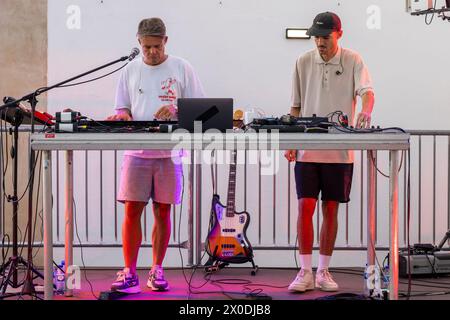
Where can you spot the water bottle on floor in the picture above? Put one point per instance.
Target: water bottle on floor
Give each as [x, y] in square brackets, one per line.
[59, 279]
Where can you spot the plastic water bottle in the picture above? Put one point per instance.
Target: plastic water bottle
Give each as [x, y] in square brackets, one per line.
[372, 280]
[59, 278]
[367, 289]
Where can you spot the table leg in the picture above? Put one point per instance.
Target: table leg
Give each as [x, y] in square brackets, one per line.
[198, 207]
[393, 224]
[48, 229]
[371, 214]
[191, 210]
[69, 218]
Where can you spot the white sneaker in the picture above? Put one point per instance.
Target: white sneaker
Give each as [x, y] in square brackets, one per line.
[325, 282]
[302, 282]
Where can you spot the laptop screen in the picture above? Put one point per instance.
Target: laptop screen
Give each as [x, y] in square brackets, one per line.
[213, 113]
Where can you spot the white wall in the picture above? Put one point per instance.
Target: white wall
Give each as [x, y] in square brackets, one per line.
[239, 50]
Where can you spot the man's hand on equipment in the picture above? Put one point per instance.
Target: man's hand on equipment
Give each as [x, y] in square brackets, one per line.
[290, 155]
[167, 112]
[120, 117]
[363, 120]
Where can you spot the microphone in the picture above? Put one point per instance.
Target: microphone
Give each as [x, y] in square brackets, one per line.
[12, 114]
[8, 99]
[134, 53]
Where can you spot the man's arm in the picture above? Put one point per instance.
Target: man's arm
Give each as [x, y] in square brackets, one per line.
[295, 111]
[122, 102]
[291, 155]
[121, 114]
[364, 117]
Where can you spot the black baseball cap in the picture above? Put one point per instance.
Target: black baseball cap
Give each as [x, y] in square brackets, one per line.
[324, 24]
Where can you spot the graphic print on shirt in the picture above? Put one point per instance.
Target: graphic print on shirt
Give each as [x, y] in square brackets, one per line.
[170, 90]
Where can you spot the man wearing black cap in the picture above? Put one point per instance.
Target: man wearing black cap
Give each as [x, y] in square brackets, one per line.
[325, 80]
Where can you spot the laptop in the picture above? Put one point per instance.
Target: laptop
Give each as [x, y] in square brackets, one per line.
[214, 113]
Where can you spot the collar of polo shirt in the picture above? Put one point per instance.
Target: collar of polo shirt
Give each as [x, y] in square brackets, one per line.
[335, 60]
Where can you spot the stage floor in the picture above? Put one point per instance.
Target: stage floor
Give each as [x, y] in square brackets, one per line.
[237, 283]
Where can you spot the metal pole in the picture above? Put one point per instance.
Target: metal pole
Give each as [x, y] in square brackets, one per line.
[15, 220]
[198, 208]
[393, 225]
[191, 210]
[371, 212]
[69, 217]
[48, 236]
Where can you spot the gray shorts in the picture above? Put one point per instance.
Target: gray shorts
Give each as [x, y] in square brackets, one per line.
[158, 179]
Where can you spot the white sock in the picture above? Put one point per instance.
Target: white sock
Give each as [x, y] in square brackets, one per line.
[324, 262]
[306, 261]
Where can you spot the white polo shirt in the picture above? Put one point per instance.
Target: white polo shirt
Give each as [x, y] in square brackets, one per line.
[320, 88]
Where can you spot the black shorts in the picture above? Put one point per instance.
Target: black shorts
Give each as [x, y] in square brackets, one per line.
[333, 179]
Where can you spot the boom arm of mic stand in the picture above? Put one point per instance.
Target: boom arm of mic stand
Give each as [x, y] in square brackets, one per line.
[31, 98]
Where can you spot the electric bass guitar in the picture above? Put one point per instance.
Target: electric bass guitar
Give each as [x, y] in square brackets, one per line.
[227, 240]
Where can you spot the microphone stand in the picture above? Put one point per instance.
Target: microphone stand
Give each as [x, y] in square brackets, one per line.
[28, 286]
[9, 269]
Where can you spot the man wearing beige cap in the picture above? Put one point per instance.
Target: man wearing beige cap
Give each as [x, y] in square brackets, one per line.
[326, 79]
[148, 89]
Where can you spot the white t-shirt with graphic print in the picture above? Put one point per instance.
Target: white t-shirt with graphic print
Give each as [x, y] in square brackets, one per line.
[143, 89]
